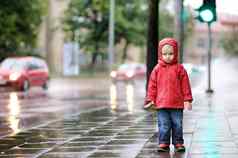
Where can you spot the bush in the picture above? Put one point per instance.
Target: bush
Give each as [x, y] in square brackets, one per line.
[229, 42]
[4, 55]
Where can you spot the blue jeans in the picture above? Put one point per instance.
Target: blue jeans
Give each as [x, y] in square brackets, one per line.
[170, 120]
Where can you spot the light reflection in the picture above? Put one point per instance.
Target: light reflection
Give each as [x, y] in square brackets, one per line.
[130, 97]
[127, 94]
[113, 96]
[210, 132]
[14, 111]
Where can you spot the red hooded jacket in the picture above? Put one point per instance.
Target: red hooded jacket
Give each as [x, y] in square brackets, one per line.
[169, 85]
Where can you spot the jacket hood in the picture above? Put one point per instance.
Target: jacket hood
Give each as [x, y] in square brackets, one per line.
[174, 44]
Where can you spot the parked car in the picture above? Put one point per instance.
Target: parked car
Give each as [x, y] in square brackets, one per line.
[128, 72]
[22, 73]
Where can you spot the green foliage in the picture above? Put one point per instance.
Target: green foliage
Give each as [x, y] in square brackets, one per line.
[131, 21]
[3, 55]
[19, 23]
[188, 25]
[166, 20]
[87, 22]
[229, 42]
[166, 25]
[90, 18]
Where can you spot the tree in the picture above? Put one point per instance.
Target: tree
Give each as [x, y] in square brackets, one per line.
[19, 23]
[166, 25]
[90, 17]
[130, 23]
[188, 20]
[229, 42]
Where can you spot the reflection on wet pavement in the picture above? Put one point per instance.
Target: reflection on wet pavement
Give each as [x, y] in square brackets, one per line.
[22, 110]
[113, 96]
[122, 95]
[75, 130]
[130, 97]
[14, 111]
[92, 134]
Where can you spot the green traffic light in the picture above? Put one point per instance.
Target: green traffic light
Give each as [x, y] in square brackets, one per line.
[207, 12]
[206, 15]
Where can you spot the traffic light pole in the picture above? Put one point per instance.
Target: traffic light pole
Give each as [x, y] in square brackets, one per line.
[179, 27]
[209, 90]
[207, 14]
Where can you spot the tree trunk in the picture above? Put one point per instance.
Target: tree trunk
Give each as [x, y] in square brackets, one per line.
[96, 38]
[94, 59]
[152, 39]
[94, 55]
[124, 56]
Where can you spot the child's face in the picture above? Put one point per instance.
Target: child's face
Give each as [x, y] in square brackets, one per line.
[167, 53]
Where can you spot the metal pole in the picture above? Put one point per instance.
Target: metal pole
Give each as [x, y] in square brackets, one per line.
[179, 27]
[181, 36]
[152, 38]
[111, 35]
[209, 90]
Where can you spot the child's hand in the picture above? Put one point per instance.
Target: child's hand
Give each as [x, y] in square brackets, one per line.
[188, 105]
[150, 106]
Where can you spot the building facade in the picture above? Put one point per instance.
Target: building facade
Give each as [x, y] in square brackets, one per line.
[196, 49]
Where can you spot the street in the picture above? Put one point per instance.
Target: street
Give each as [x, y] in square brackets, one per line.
[79, 118]
[29, 109]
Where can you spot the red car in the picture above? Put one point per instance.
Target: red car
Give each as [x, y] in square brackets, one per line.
[23, 72]
[128, 72]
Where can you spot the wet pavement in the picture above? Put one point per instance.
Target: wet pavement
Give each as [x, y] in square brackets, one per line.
[92, 118]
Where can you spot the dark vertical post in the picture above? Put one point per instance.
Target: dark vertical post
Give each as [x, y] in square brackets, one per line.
[179, 27]
[181, 36]
[209, 90]
[152, 39]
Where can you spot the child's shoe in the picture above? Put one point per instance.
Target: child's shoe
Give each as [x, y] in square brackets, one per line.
[163, 148]
[179, 148]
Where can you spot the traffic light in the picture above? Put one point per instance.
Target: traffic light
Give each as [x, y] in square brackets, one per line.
[207, 11]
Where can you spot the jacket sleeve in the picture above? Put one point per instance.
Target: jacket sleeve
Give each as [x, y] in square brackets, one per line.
[152, 86]
[186, 88]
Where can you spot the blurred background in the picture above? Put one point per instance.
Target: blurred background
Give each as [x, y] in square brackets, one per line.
[79, 51]
[72, 35]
